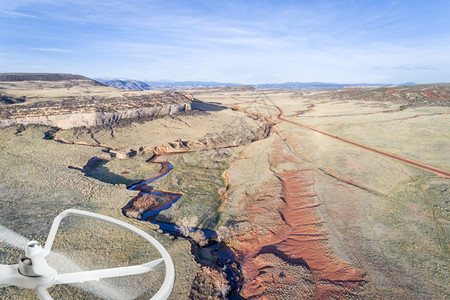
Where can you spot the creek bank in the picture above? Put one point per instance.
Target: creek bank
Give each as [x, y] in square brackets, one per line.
[213, 253]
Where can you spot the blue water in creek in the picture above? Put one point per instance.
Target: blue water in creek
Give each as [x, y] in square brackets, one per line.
[224, 257]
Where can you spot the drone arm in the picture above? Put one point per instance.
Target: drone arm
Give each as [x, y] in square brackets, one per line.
[106, 273]
[8, 275]
[42, 293]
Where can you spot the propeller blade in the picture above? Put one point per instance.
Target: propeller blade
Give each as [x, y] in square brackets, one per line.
[11, 238]
[102, 290]
[106, 273]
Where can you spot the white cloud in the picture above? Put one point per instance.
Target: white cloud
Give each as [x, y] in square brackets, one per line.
[59, 50]
[13, 13]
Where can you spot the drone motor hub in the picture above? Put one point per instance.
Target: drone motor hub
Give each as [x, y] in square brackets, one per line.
[33, 271]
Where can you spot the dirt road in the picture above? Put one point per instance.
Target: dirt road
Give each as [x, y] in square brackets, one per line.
[439, 172]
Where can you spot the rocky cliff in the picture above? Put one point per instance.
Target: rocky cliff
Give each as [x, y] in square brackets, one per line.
[66, 101]
[10, 77]
[66, 121]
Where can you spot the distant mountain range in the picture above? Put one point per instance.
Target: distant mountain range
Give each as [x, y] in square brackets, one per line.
[128, 84]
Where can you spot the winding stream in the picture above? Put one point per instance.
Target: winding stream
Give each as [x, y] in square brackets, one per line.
[215, 254]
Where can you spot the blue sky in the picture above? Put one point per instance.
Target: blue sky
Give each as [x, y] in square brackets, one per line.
[230, 41]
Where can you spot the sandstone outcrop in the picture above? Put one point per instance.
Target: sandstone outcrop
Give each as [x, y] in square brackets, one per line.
[66, 101]
[66, 121]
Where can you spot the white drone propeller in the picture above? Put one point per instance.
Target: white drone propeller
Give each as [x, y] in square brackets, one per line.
[33, 271]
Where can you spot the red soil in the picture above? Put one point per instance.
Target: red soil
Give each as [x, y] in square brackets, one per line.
[293, 231]
[301, 239]
[431, 93]
[224, 195]
[143, 202]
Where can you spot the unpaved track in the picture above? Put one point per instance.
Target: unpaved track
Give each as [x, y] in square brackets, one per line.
[437, 171]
